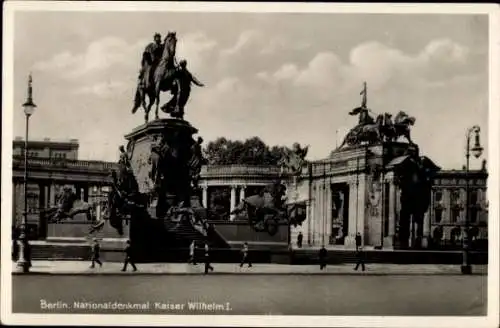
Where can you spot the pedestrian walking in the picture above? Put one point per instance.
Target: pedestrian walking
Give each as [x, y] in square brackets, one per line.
[300, 237]
[207, 259]
[358, 241]
[96, 250]
[360, 260]
[129, 257]
[244, 256]
[192, 251]
[322, 257]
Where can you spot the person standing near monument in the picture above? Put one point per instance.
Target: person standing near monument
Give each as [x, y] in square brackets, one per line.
[358, 241]
[192, 250]
[360, 260]
[207, 259]
[96, 249]
[300, 237]
[244, 256]
[322, 257]
[129, 257]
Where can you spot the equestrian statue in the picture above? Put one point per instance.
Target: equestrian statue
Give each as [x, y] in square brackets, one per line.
[68, 205]
[381, 129]
[160, 73]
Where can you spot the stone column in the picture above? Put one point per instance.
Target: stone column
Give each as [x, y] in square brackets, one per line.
[52, 194]
[46, 190]
[392, 209]
[242, 193]
[426, 228]
[205, 196]
[233, 202]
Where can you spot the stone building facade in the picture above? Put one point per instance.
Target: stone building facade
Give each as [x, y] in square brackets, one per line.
[341, 198]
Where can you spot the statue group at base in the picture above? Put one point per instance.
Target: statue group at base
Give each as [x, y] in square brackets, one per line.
[160, 72]
[266, 210]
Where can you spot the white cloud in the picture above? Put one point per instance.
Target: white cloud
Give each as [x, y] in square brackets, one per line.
[274, 45]
[194, 48]
[377, 64]
[98, 56]
[286, 72]
[445, 50]
[107, 52]
[103, 89]
[245, 40]
[318, 95]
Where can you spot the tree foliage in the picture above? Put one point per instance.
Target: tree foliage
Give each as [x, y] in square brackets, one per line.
[252, 151]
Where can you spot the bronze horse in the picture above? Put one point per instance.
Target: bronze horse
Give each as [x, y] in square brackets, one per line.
[267, 209]
[68, 206]
[400, 127]
[369, 133]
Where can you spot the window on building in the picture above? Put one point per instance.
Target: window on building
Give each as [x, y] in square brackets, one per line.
[473, 197]
[438, 215]
[455, 214]
[473, 214]
[438, 196]
[455, 196]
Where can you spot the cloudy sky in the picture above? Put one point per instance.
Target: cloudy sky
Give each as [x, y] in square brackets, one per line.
[283, 77]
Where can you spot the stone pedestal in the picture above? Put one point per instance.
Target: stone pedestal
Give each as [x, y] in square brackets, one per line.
[174, 186]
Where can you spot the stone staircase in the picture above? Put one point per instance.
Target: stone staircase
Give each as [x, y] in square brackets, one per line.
[43, 250]
[336, 256]
[186, 231]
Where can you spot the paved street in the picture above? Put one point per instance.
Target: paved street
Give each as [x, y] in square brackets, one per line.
[114, 268]
[254, 294]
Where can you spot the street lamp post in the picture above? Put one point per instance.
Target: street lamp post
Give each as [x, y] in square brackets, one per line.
[476, 150]
[24, 260]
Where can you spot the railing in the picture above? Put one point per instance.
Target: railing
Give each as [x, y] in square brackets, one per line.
[50, 163]
[239, 170]
[208, 170]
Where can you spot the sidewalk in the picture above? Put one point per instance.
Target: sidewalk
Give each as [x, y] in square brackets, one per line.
[114, 268]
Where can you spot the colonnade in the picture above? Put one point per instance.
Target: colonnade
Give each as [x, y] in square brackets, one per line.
[237, 193]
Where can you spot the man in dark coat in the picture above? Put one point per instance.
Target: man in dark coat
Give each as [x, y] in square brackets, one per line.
[300, 237]
[360, 259]
[129, 257]
[207, 259]
[244, 256]
[96, 250]
[322, 257]
[358, 241]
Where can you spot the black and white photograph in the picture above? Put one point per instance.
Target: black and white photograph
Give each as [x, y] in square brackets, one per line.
[252, 164]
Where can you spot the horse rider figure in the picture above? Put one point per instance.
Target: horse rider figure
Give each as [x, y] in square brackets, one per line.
[181, 93]
[150, 58]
